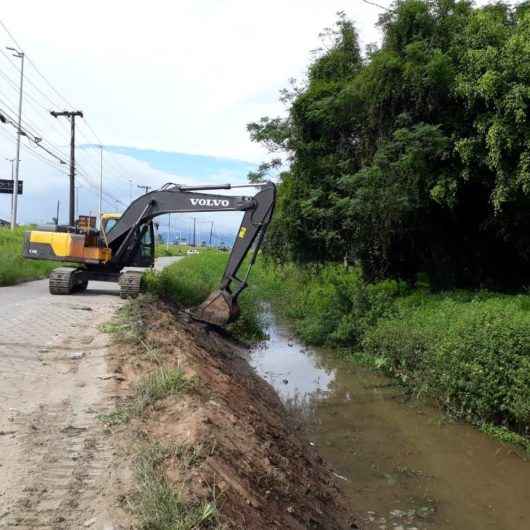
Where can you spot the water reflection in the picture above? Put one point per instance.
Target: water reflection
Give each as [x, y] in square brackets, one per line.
[295, 372]
[402, 464]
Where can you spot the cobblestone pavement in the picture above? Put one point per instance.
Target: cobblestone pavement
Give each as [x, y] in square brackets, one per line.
[53, 378]
[55, 460]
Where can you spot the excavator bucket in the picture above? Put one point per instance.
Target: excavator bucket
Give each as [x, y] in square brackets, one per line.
[218, 309]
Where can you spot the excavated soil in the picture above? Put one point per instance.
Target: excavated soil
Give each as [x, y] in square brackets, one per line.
[255, 467]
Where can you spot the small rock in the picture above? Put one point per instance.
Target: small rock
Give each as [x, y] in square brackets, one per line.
[76, 355]
[285, 381]
[398, 513]
[90, 522]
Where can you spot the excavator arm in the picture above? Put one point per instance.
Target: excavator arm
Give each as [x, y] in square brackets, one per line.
[221, 306]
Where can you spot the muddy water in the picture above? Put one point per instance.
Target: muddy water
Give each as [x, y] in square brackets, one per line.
[402, 465]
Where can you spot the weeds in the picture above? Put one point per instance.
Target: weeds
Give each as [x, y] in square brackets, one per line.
[159, 505]
[155, 386]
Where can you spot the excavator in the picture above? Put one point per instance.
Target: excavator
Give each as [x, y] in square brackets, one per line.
[124, 245]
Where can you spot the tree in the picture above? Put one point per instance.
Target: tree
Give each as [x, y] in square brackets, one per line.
[415, 158]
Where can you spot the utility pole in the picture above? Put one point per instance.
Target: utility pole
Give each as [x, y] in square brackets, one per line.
[72, 115]
[168, 231]
[211, 234]
[76, 210]
[100, 184]
[145, 188]
[194, 232]
[19, 55]
[57, 218]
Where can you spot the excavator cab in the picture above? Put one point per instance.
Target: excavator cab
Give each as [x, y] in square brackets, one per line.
[145, 253]
[125, 243]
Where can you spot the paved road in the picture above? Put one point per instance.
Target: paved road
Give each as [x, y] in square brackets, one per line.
[54, 381]
[162, 263]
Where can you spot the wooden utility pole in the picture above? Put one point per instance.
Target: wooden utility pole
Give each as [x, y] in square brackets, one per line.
[72, 115]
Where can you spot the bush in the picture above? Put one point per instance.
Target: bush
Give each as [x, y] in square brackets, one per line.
[471, 355]
[330, 304]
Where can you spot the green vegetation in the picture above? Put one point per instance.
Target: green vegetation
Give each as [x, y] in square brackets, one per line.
[159, 506]
[467, 351]
[188, 282]
[13, 267]
[156, 385]
[413, 157]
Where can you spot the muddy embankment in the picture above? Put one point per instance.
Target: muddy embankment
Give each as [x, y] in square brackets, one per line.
[209, 443]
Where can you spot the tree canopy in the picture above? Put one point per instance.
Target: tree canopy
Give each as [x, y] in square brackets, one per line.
[413, 157]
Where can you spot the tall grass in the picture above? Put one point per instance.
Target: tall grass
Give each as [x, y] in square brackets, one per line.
[13, 267]
[188, 282]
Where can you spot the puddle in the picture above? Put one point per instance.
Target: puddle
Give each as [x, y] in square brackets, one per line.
[402, 465]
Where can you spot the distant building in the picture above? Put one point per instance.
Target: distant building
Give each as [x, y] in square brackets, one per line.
[4, 223]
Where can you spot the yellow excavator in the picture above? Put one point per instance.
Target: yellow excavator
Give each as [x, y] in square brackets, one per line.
[125, 244]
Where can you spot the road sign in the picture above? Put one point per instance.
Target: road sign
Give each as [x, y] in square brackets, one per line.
[6, 186]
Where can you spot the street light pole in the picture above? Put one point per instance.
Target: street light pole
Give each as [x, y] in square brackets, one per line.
[19, 55]
[100, 183]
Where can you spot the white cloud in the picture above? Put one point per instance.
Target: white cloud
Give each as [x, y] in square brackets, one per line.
[185, 75]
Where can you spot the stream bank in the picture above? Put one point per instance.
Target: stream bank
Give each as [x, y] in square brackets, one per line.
[209, 441]
[404, 463]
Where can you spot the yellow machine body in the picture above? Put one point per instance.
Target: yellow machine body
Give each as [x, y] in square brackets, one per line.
[69, 247]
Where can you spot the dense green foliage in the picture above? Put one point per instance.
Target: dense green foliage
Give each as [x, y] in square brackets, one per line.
[470, 352]
[13, 267]
[416, 156]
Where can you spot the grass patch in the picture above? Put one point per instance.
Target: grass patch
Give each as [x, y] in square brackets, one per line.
[188, 282]
[159, 505]
[13, 267]
[155, 386]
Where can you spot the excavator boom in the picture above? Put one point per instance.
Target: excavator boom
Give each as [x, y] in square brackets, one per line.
[221, 307]
[105, 255]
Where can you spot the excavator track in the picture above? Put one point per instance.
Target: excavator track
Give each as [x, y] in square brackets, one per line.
[61, 281]
[130, 283]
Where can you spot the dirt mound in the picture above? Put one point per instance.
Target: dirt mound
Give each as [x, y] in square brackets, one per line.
[219, 437]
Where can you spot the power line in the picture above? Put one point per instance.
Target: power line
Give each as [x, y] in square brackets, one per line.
[28, 126]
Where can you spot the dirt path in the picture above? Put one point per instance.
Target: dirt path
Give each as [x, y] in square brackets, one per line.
[53, 378]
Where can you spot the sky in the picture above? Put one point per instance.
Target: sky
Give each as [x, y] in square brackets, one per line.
[182, 76]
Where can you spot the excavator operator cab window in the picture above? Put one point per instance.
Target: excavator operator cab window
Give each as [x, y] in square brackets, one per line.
[147, 244]
[109, 225]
